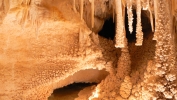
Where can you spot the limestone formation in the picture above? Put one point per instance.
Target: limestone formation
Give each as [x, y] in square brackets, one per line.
[49, 44]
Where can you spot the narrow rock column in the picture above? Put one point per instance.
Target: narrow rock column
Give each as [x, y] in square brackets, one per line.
[156, 17]
[151, 17]
[130, 15]
[124, 62]
[120, 33]
[139, 33]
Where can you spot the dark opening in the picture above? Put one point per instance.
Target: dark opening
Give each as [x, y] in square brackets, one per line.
[108, 30]
[69, 92]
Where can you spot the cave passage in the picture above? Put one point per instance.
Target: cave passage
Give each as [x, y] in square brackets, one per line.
[83, 79]
[108, 29]
[69, 92]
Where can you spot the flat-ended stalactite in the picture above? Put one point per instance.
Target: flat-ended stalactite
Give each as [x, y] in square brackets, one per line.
[133, 57]
[120, 33]
[139, 33]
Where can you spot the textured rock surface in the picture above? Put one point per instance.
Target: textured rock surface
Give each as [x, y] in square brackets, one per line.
[41, 49]
[45, 44]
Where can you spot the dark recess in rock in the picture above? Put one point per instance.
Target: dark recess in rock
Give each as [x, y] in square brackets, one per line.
[108, 30]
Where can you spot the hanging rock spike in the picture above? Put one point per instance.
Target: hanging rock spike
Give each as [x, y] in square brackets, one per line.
[139, 33]
[130, 15]
[120, 33]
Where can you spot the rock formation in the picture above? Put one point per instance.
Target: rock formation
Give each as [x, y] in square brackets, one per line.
[48, 44]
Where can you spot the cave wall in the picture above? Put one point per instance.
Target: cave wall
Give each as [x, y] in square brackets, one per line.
[44, 43]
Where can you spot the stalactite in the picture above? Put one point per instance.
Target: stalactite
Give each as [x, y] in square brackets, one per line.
[81, 8]
[145, 4]
[139, 33]
[130, 15]
[156, 18]
[151, 18]
[92, 13]
[4, 7]
[173, 7]
[120, 33]
[123, 16]
[24, 16]
[25, 4]
[74, 5]
[34, 15]
[113, 9]
[124, 3]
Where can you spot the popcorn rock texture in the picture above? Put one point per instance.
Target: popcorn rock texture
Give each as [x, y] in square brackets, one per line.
[49, 44]
[125, 88]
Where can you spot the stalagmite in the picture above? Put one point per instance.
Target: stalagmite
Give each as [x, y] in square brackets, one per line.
[124, 62]
[123, 71]
[81, 8]
[139, 33]
[120, 33]
[130, 15]
[165, 56]
[126, 87]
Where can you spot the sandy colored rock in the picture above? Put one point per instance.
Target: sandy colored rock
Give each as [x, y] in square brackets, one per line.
[48, 44]
[126, 87]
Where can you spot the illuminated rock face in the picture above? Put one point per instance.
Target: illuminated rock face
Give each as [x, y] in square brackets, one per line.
[43, 48]
[46, 44]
